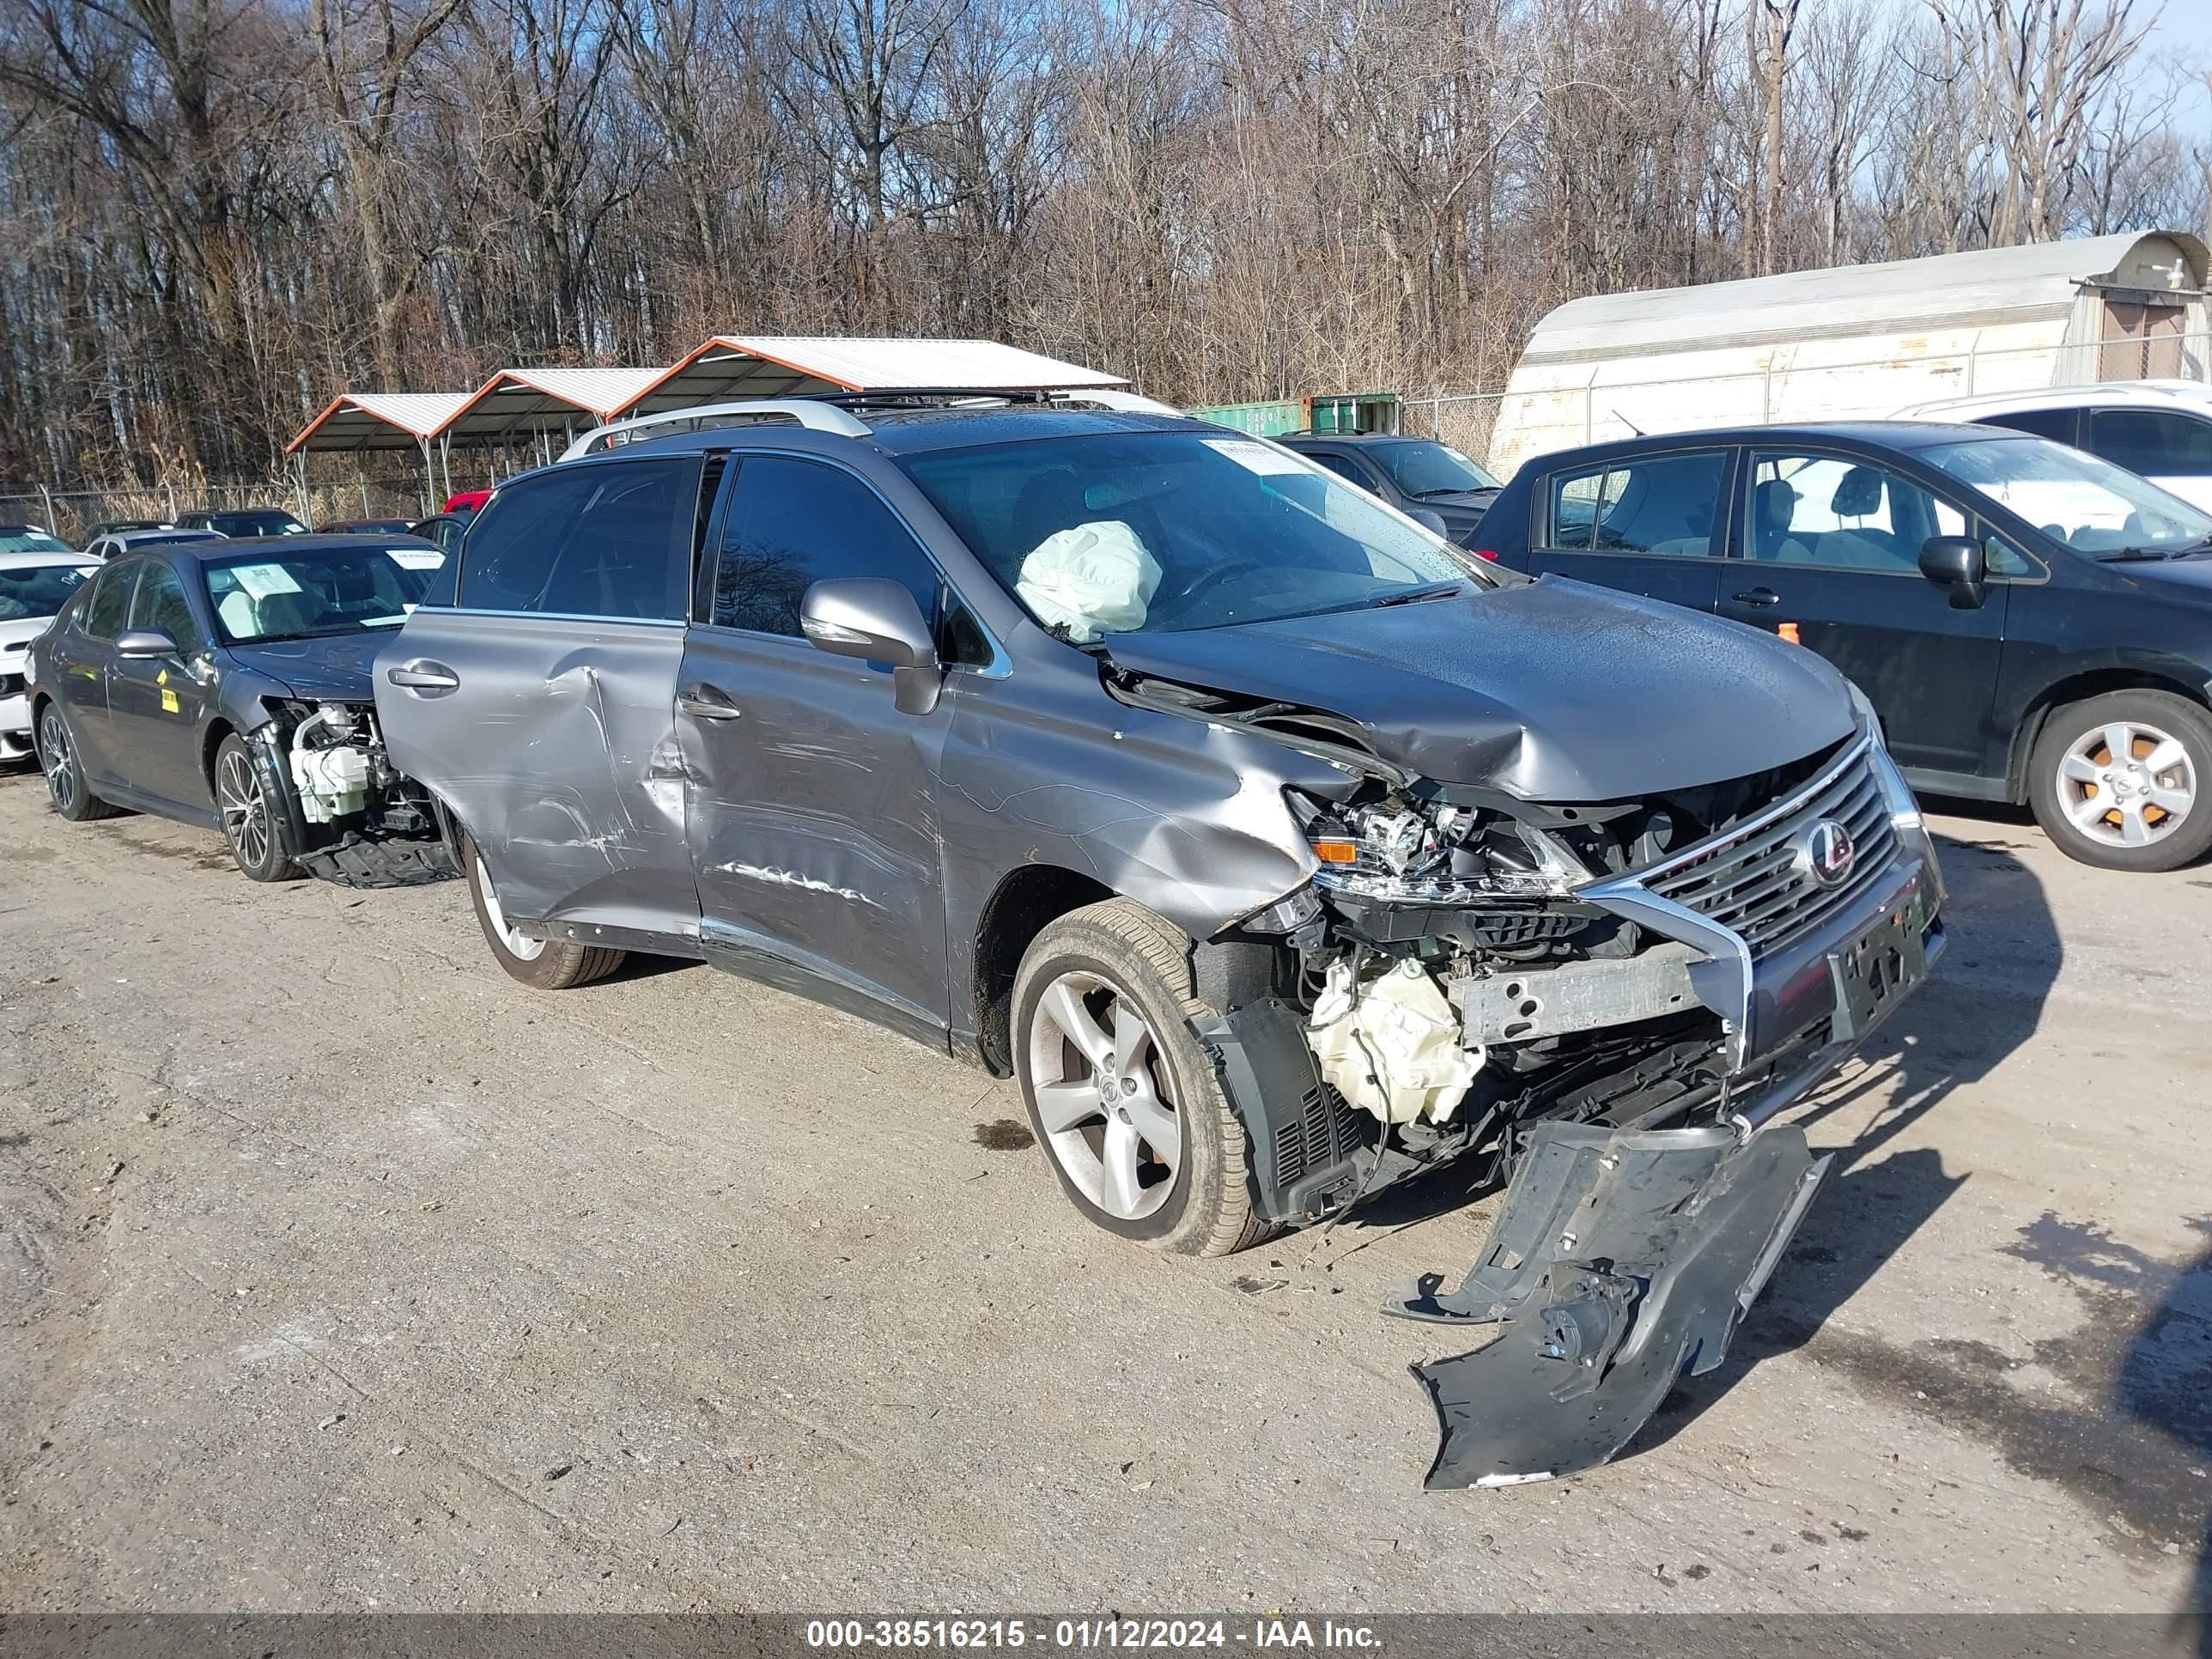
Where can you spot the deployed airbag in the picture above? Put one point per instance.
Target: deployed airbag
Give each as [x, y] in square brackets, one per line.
[1621, 1261]
[1095, 579]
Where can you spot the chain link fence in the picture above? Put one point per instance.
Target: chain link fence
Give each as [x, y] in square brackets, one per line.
[74, 514]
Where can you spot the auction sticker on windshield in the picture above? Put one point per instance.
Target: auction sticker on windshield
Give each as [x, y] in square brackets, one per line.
[1254, 457]
[263, 580]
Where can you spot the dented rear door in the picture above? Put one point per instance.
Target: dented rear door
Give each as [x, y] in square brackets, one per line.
[811, 805]
[539, 707]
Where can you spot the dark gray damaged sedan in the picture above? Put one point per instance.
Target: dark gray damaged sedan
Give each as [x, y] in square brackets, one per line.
[1280, 850]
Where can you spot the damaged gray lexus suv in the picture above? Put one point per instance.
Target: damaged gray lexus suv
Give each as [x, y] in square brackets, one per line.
[1279, 849]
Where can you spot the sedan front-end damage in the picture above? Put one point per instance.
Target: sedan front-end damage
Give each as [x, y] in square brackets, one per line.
[352, 818]
[1606, 1002]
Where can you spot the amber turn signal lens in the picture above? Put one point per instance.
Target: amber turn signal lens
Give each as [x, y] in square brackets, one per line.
[1336, 852]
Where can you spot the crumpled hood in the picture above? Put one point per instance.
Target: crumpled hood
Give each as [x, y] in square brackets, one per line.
[1551, 690]
[336, 669]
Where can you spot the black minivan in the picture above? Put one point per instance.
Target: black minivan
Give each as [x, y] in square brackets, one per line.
[2030, 622]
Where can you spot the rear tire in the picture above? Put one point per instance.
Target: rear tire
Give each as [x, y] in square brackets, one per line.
[2124, 780]
[544, 964]
[67, 789]
[1127, 1109]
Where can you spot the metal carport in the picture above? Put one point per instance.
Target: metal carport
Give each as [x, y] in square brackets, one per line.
[733, 366]
[360, 421]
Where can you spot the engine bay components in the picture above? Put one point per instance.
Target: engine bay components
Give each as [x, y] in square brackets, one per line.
[1389, 1043]
[330, 763]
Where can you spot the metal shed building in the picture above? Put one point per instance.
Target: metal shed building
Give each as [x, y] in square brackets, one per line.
[1856, 340]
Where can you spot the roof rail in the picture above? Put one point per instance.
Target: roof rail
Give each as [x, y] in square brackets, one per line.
[800, 411]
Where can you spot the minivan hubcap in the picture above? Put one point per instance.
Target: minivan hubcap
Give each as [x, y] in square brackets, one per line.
[520, 946]
[1108, 1113]
[61, 764]
[2126, 784]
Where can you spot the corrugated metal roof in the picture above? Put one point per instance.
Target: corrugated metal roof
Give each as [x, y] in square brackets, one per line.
[379, 420]
[1996, 284]
[520, 399]
[732, 365]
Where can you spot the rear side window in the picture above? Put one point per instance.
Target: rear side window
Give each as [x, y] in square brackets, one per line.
[793, 523]
[2056, 424]
[610, 541]
[2154, 442]
[1665, 504]
[104, 611]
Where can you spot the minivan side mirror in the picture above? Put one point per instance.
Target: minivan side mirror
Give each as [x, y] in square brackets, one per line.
[1959, 563]
[138, 643]
[877, 620]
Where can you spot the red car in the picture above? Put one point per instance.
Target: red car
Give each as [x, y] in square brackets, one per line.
[466, 501]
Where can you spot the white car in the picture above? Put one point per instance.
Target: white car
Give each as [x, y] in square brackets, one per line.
[2160, 430]
[37, 573]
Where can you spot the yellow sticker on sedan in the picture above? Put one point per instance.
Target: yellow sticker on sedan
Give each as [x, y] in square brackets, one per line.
[169, 702]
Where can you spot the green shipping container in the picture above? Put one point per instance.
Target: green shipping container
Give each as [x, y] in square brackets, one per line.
[1338, 412]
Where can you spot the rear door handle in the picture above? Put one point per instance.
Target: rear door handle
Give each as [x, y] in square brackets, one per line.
[705, 703]
[425, 679]
[1760, 596]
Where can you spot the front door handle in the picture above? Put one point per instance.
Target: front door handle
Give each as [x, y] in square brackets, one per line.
[425, 679]
[1760, 596]
[706, 703]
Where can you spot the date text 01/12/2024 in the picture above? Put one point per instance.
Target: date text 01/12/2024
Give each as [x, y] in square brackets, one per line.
[1089, 1633]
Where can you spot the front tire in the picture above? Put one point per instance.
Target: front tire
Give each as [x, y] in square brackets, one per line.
[2121, 781]
[1126, 1106]
[67, 787]
[544, 964]
[254, 819]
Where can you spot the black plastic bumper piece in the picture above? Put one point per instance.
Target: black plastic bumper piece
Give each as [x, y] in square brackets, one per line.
[361, 860]
[1621, 1261]
[1310, 1151]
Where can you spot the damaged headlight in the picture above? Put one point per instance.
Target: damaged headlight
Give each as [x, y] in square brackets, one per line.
[1423, 853]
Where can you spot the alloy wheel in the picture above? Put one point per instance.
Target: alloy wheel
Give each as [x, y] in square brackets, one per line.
[61, 779]
[244, 814]
[520, 946]
[1103, 1097]
[2126, 784]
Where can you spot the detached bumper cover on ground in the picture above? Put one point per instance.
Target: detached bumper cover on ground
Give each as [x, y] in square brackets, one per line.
[1621, 1261]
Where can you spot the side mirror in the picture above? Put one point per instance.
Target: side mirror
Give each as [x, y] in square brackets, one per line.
[1429, 519]
[135, 644]
[1959, 563]
[876, 619]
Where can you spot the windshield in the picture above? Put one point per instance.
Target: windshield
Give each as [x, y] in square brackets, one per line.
[2089, 505]
[39, 589]
[30, 541]
[1421, 468]
[1163, 531]
[309, 595]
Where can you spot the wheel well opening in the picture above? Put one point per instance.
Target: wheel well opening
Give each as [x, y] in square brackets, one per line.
[1025, 902]
[2080, 689]
[217, 729]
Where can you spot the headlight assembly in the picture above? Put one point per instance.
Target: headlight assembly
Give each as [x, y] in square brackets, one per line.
[1418, 853]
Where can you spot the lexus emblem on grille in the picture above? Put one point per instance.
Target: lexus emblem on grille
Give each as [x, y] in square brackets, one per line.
[1828, 853]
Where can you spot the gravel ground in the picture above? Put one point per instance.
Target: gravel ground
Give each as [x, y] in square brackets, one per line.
[338, 1272]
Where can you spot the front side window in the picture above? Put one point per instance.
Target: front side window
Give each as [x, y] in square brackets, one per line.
[2155, 442]
[1842, 512]
[1343, 465]
[1113, 532]
[793, 523]
[2079, 501]
[1421, 468]
[260, 597]
[110, 600]
[1665, 504]
[608, 541]
[159, 603]
[39, 589]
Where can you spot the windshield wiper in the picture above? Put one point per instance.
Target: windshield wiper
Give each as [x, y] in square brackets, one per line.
[2140, 555]
[1449, 489]
[1415, 595]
